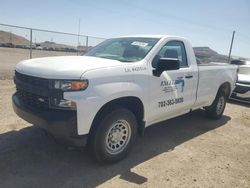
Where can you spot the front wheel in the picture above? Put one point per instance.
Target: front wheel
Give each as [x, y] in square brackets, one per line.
[215, 111]
[114, 136]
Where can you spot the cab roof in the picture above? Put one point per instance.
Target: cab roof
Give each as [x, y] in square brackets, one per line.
[150, 36]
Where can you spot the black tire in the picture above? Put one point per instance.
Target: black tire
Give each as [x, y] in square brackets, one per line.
[101, 145]
[215, 111]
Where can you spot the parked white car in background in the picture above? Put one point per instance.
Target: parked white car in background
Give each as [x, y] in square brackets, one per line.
[242, 91]
[117, 89]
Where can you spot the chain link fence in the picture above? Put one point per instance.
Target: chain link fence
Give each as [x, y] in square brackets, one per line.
[40, 39]
[18, 43]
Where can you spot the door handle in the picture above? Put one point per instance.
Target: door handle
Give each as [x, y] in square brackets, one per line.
[189, 76]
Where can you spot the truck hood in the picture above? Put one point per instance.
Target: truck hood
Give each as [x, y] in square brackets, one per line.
[63, 67]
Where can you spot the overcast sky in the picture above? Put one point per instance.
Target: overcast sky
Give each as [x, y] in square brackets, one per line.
[204, 23]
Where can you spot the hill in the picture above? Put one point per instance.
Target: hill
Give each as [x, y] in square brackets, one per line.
[206, 55]
[10, 38]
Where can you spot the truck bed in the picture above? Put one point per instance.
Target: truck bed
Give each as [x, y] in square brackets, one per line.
[209, 75]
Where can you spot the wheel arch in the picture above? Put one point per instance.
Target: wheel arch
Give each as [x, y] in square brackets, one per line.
[132, 103]
[226, 88]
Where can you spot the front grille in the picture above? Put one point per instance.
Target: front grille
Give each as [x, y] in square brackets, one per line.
[35, 92]
[33, 100]
[35, 81]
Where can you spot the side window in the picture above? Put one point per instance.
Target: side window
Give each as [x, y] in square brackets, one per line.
[174, 49]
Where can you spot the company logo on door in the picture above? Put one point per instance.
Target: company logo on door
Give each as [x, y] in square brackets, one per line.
[173, 85]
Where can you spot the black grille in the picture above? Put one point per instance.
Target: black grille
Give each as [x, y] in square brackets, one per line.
[33, 100]
[241, 89]
[36, 92]
[35, 81]
[33, 91]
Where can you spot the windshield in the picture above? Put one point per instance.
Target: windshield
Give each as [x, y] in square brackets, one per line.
[123, 49]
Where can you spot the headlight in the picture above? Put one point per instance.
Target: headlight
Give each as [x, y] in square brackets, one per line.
[58, 101]
[71, 85]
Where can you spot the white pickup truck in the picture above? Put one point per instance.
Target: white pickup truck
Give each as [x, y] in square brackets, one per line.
[109, 95]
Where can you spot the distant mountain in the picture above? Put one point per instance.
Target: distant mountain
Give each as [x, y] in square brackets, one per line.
[206, 55]
[10, 38]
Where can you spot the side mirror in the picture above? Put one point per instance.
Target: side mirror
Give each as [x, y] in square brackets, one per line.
[163, 64]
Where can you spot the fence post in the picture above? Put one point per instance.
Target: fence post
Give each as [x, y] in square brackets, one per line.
[30, 43]
[87, 41]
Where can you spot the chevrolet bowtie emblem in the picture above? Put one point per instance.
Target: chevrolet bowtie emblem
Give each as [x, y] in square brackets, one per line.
[41, 99]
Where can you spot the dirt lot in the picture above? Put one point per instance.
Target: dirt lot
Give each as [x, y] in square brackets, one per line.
[189, 151]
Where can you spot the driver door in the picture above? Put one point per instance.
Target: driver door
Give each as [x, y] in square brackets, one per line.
[173, 92]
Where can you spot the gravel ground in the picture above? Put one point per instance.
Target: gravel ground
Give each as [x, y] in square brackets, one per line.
[188, 151]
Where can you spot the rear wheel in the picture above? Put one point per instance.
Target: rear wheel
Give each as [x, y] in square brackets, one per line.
[215, 111]
[113, 137]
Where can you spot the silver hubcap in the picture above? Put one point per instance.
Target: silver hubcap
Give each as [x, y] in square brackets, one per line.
[220, 105]
[118, 137]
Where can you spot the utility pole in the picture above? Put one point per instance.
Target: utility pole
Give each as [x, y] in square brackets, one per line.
[78, 37]
[231, 46]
